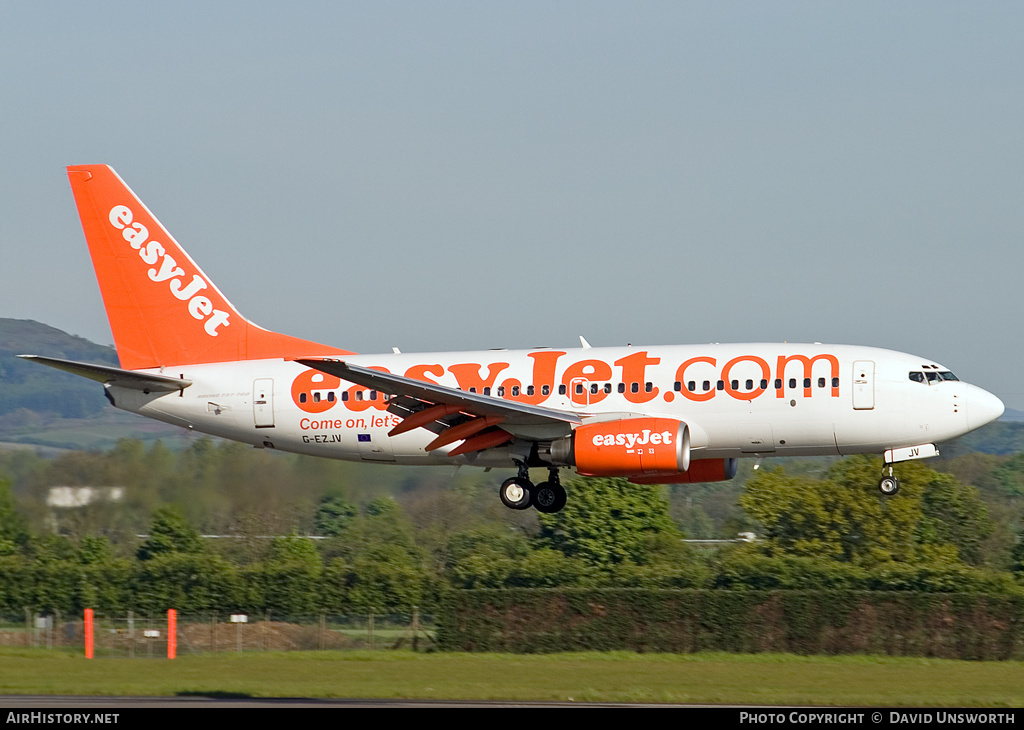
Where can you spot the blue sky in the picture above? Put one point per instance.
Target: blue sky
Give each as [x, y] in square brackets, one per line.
[466, 175]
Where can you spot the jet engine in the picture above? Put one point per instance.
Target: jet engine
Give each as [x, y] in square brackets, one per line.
[632, 447]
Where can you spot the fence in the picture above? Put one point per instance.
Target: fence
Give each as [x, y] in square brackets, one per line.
[146, 636]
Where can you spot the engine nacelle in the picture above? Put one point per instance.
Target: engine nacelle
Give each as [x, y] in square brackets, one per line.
[626, 448]
[701, 470]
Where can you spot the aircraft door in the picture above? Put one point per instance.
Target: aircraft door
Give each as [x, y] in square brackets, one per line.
[263, 402]
[863, 385]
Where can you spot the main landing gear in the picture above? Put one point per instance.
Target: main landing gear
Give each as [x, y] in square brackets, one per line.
[889, 484]
[520, 493]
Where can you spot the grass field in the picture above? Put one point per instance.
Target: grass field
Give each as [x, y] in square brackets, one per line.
[763, 679]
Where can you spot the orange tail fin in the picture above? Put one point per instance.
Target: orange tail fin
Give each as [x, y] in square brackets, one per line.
[163, 309]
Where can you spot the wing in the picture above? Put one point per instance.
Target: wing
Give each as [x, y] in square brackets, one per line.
[479, 420]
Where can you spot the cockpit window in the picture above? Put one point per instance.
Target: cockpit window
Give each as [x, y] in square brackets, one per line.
[931, 376]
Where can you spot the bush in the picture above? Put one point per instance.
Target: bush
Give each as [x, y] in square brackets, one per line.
[956, 626]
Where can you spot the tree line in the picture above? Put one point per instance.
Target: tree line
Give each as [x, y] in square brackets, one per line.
[221, 527]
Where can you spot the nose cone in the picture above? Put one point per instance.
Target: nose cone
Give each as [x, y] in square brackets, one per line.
[982, 407]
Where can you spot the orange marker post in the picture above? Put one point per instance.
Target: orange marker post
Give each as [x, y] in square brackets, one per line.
[172, 633]
[88, 633]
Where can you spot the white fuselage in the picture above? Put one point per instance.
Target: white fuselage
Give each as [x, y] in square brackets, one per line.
[737, 399]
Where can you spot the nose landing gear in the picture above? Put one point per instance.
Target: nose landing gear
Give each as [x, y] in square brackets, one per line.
[889, 484]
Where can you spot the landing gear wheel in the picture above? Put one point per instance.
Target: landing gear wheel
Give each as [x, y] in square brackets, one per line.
[889, 485]
[549, 497]
[516, 493]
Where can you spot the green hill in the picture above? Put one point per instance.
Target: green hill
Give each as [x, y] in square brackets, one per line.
[26, 385]
[46, 407]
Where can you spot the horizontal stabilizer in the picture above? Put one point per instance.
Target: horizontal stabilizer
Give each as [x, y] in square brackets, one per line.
[114, 376]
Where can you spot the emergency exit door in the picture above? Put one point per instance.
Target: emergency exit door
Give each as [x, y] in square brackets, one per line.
[263, 402]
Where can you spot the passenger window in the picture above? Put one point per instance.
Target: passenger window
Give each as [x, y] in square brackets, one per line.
[330, 397]
[648, 387]
[561, 389]
[792, 382]
[720, 385]
[344, 396]
[487, 390]
[545, 390]
[707, 385]
[529, 390]
[515, 390]
[750, 385]
[607, 387]
[807, 382]
[622, 387]
[778, 383]
[593, 388]
[302, 397]
[835, 382]
[764, 384]
[691, 386]
[634, 387]
[735, 384]
[821, 382]
[677, 386]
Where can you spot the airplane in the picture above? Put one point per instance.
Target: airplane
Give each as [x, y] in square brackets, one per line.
[654, 415]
